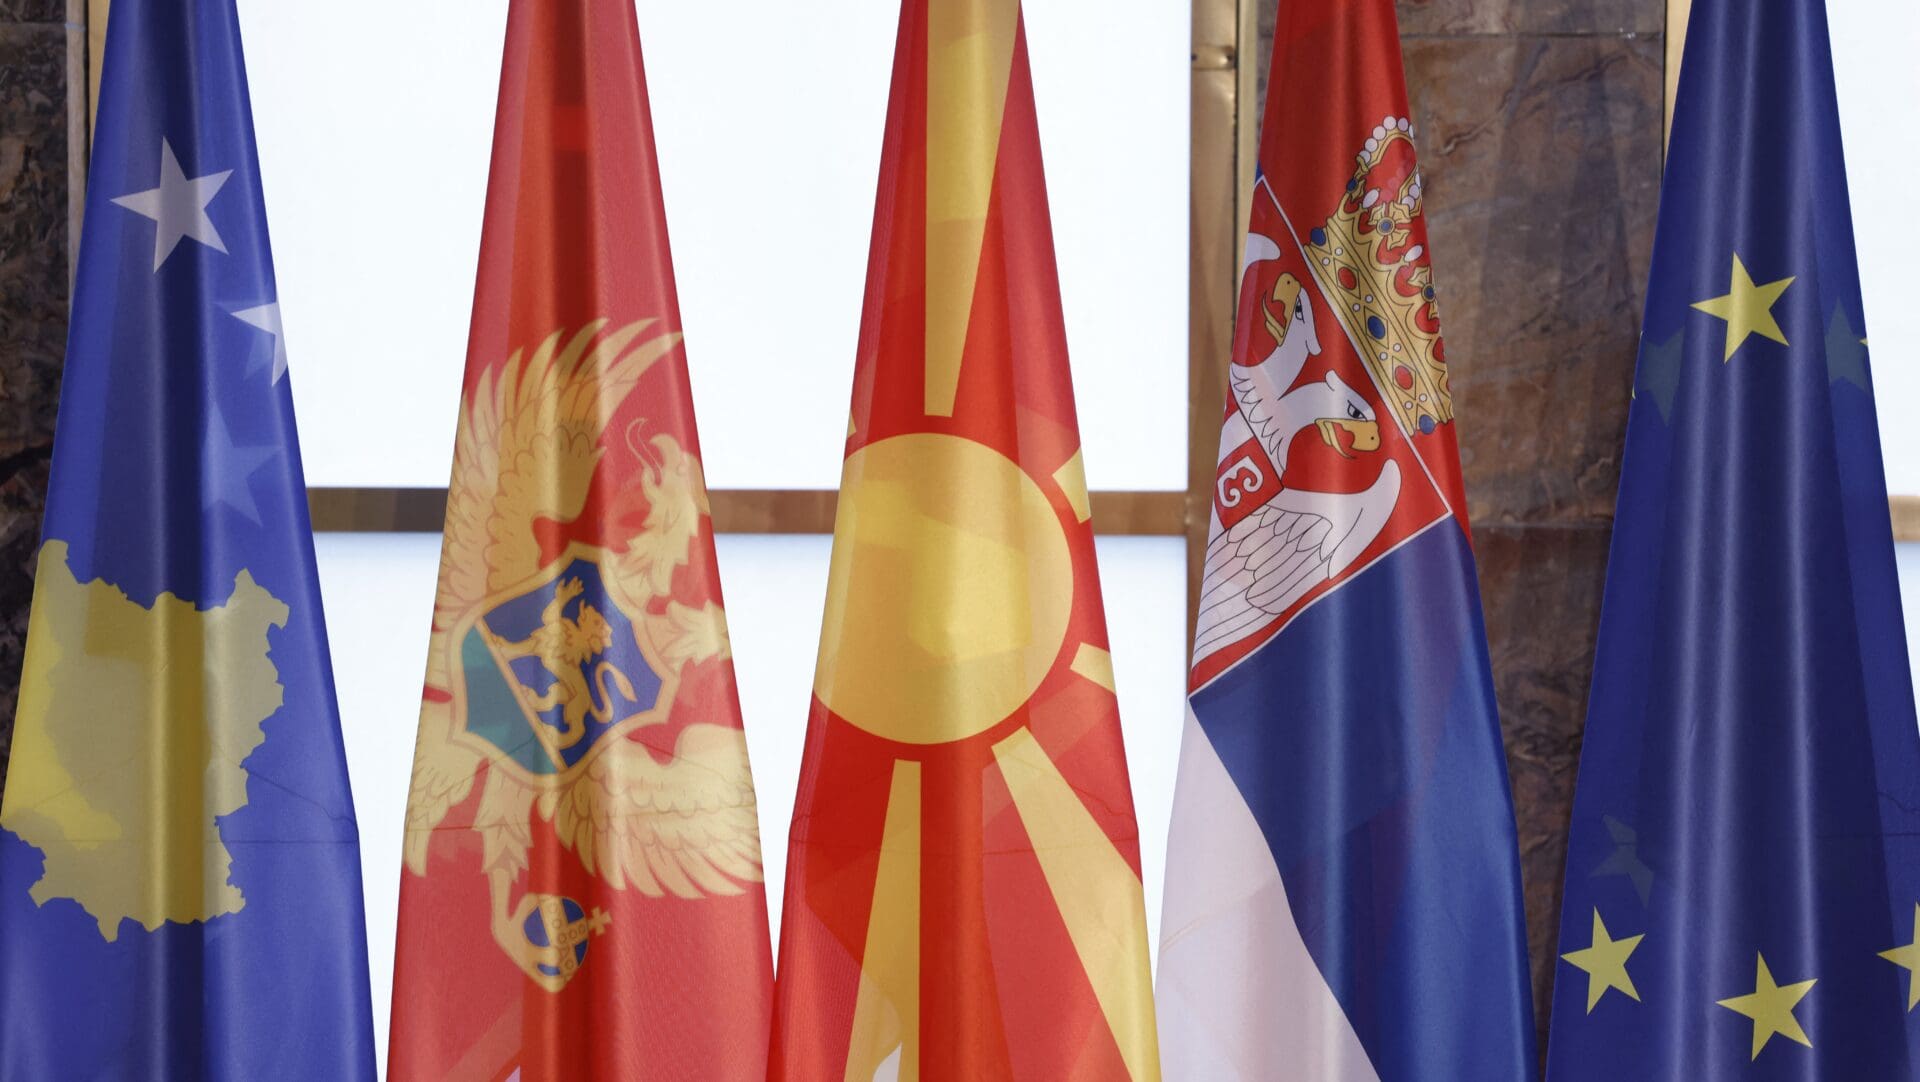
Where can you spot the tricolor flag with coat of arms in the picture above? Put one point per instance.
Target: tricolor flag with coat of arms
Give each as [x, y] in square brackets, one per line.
[963, 892]
[1343, 893]
[582, 896]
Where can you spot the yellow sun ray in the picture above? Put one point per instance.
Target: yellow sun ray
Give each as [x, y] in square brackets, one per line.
[1096, 891]
[969, 62]
[886, 1011]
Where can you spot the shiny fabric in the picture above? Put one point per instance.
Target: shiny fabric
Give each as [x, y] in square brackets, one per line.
[582, 893]
[179, 862]
[1749, 792]
[1340, 673]
[963, 888]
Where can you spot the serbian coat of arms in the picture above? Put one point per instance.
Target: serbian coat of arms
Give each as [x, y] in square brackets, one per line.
[1339, 373]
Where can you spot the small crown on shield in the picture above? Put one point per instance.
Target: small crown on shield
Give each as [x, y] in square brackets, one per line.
[1372, 259]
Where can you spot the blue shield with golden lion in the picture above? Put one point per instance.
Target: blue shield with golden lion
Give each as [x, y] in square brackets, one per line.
[554, 669]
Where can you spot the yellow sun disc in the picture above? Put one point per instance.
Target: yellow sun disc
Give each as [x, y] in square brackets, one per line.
[950, 590]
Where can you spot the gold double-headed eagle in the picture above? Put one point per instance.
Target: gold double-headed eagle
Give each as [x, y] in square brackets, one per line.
[529, 444]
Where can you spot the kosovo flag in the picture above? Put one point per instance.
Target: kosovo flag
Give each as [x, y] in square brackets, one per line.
[1744, 873]
[179, 863]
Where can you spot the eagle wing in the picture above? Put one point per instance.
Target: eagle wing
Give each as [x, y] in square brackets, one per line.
[526, 448]
[689, 827]
[1257, 568]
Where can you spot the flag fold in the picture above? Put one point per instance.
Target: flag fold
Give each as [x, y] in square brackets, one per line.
[177, 835]
[1343, 891]
[582, 897]
[1743, 876]
[963, 892]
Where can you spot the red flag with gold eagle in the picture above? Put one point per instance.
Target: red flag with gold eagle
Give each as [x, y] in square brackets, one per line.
[582, 895]
[963, 888]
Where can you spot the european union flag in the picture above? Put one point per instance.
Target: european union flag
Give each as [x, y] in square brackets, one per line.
[1743, 883]
[179, 863]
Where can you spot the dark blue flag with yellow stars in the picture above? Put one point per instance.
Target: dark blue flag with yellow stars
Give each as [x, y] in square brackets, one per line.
[179, 863]
[1743, 879]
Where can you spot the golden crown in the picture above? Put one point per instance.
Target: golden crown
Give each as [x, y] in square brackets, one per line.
[1372, 261]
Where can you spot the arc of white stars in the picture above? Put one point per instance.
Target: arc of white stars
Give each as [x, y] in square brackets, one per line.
[178, 206]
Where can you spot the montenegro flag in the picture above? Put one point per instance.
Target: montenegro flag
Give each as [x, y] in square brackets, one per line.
[582, 896]
[963, 889]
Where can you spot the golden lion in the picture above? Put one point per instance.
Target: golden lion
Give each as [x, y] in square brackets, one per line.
[564, 646]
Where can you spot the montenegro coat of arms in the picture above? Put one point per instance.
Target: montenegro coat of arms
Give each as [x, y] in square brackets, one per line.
[551, 657]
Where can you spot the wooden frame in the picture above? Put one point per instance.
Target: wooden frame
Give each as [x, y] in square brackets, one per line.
[766, 511]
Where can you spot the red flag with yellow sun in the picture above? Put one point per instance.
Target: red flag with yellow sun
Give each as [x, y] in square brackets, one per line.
[963, 888]
[582, 896]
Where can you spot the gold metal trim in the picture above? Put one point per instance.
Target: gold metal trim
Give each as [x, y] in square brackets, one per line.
[1214, 58]
[1222, 132]
[79, 129]
[1678, 11]
[96, 21]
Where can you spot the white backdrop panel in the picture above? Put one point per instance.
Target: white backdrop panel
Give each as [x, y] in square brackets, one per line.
[1874, 45]
[375, 122]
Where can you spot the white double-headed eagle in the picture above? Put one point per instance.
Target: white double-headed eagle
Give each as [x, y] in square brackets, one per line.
[1257, 568]
[528, 448]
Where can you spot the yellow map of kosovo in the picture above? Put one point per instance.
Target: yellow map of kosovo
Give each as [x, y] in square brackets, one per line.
[132, 725]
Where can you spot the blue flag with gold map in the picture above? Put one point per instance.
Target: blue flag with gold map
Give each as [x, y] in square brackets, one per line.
[1743, 878]
[179, 862]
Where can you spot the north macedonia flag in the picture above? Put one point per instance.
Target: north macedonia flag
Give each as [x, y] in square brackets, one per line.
[963, 890]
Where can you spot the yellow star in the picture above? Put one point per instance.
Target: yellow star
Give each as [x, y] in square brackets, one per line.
[1908, 958]
[1771, 1008]
[1605, 963]
[1747, 308]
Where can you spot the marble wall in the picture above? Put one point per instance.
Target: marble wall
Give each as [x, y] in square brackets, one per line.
[40, 47]
[1540, 127]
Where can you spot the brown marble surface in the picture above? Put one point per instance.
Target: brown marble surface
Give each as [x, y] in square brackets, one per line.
[1542, 157]
[1464, 17]
[46, 12]
[33, 301]
[1542, 161]
[1540, 141]
[1540, 585]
